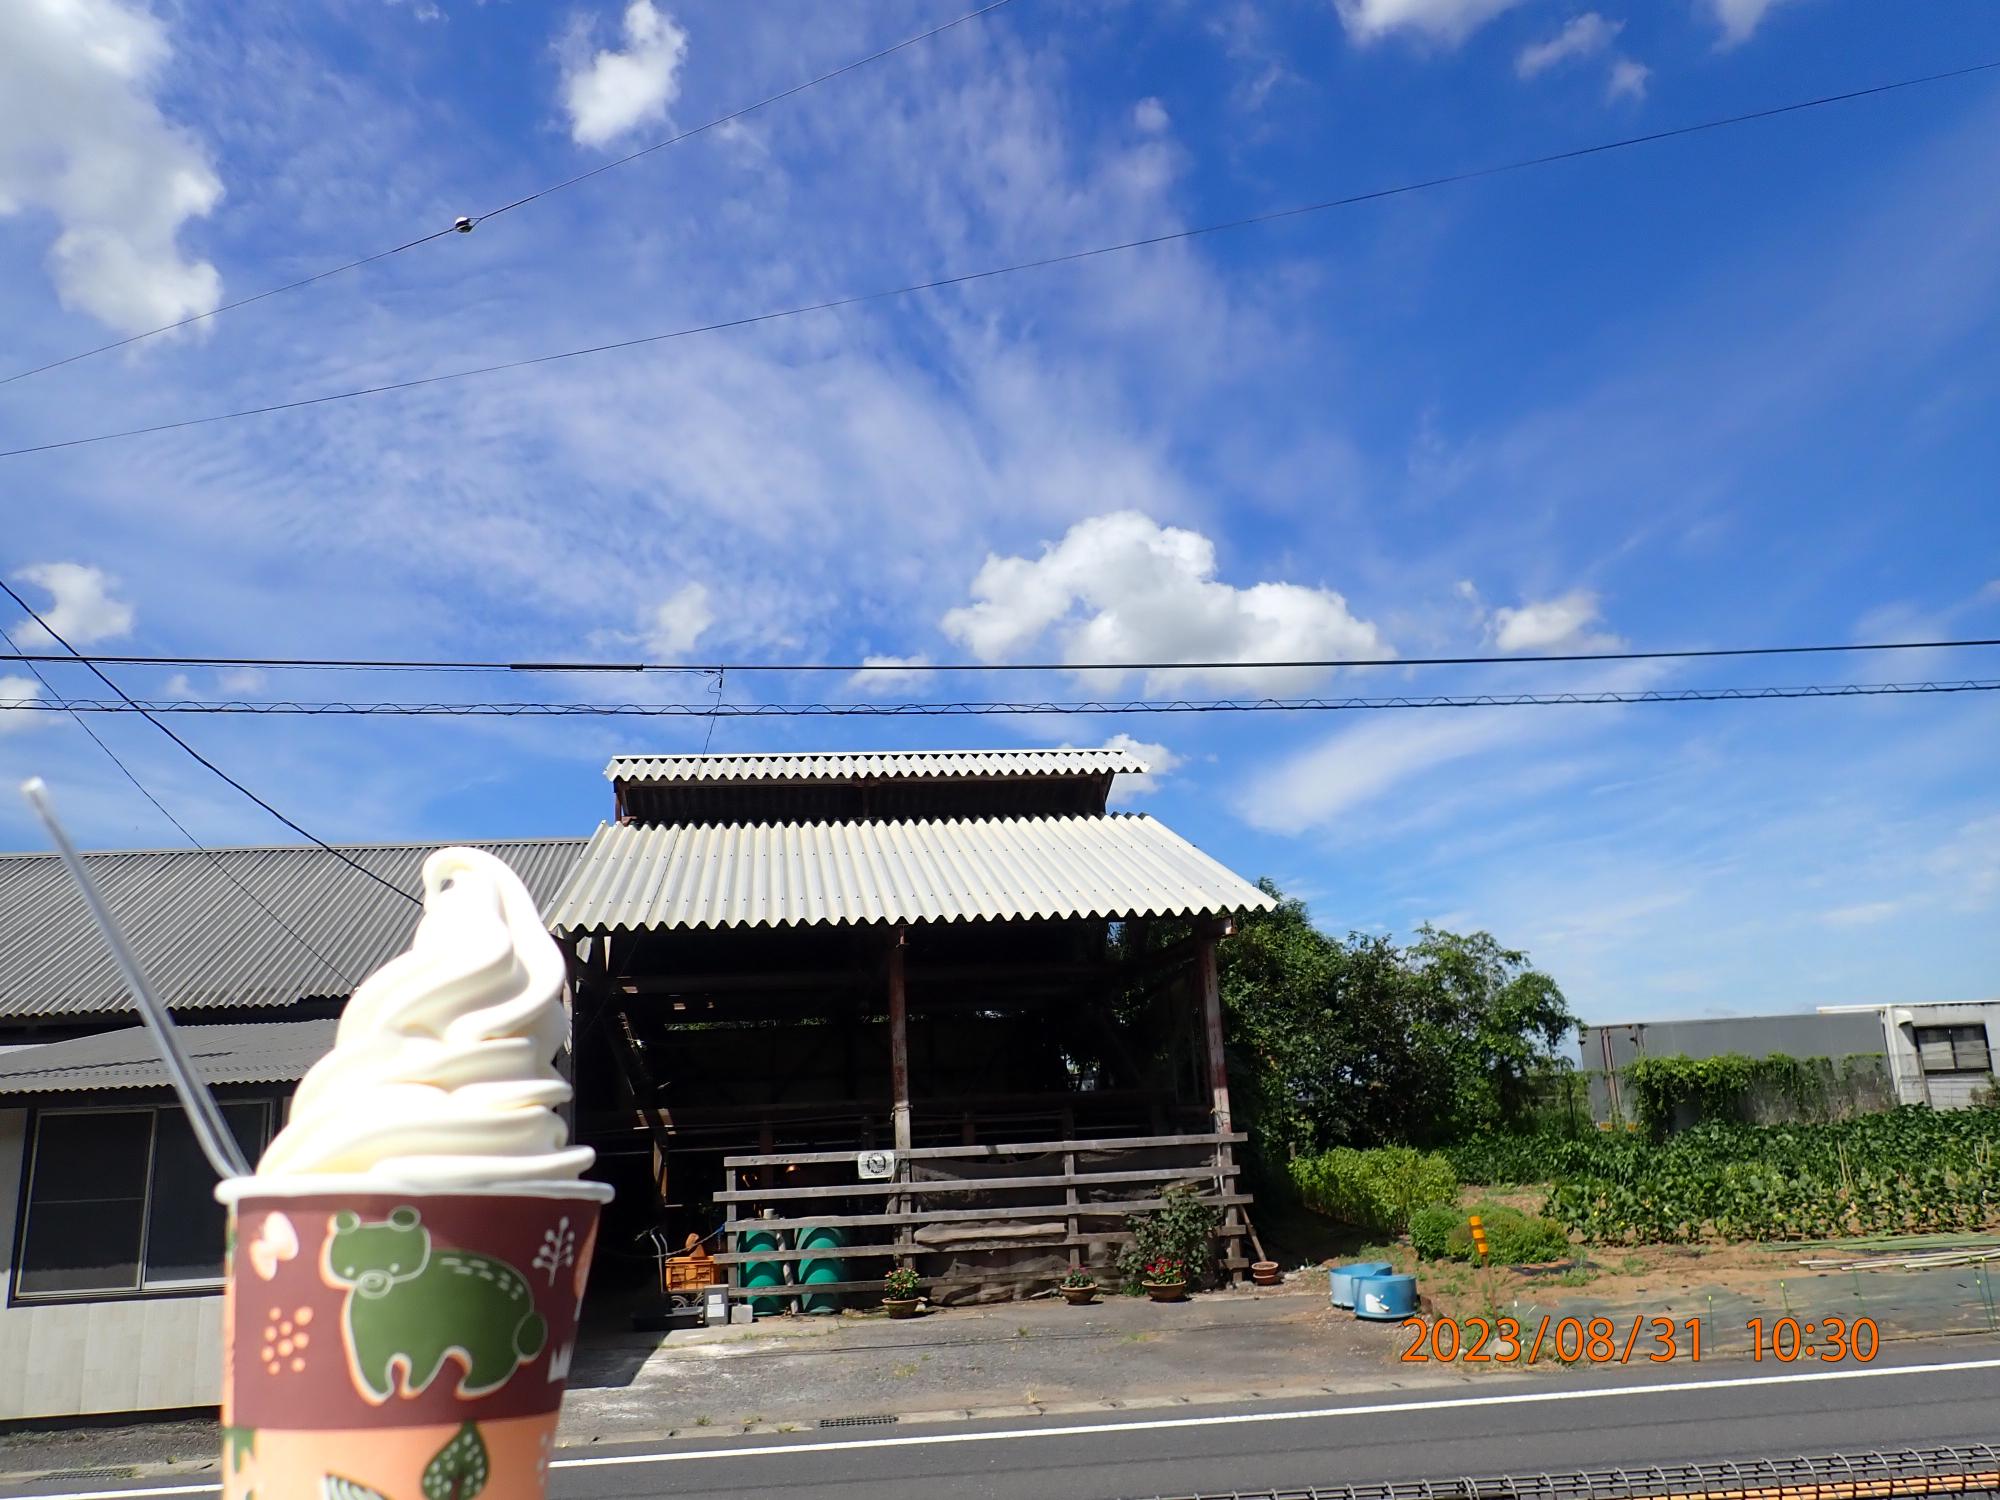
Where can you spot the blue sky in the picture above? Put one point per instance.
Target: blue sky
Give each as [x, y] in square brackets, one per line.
[1728, 390]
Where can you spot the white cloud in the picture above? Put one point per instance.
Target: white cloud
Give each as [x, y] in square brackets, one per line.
[240, 680]
[1123, 588]
[1160, 762]
[1584, 36]
[13, 692]
[1628, 80]
[609, 92]
[1552, 624]
[891, 674]
[1862, 914]
[1447, 21]
[82, 141]
[1150, 115]
[1739, 18]
[82, 609]
[1354, 767]
[678, 621]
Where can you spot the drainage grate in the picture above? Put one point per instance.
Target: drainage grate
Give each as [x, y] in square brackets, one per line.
[856, 1421]
[127, 1472]
[1970, 1473]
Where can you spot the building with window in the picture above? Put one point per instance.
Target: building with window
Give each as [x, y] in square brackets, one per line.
[110, 1238]
[1938, 1054]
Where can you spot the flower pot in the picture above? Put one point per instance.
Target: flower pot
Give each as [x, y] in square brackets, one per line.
[1166, 1291]
[1079, 1296]
[1264, 1272]
[902, 1307]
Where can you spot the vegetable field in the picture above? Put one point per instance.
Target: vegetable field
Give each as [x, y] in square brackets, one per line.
[1909, 1170]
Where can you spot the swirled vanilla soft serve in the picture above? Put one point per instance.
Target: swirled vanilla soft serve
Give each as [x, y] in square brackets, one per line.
[442, 1072]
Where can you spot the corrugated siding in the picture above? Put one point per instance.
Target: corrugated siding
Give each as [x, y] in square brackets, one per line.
[944, 870]
[204, 942]
[251, 1052]
[907, 765]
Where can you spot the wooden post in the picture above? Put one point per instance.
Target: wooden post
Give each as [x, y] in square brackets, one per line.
[899, 1044]
[1211, 1017]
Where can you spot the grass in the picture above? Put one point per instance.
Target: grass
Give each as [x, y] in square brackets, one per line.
[1580, 1274]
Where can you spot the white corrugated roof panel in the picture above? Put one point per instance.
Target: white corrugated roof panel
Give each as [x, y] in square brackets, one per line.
[872, 765]
[223, 927]
[929, 870]
[247, 1052]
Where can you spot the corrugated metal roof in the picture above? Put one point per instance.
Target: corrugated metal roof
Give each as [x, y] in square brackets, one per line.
[246, 1052]
[894, 765]
[202, 941]
[934, 870]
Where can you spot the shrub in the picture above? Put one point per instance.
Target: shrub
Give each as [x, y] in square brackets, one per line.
[1181, 1230]
[1512, 1237]
[1430, 1229]
[1378, 1189]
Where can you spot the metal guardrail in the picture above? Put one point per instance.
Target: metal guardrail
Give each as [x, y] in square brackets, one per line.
[1972, 1472]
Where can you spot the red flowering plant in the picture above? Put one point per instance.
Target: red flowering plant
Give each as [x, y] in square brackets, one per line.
[1163, 1269]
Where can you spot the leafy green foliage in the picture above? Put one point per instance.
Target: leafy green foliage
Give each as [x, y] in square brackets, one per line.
[1910, 1169]
[1365, 1042]
[1182, 1230]
[900, 1285]
[1670, 1091]
[1430, 1230]
[1512, 1237]
[1375, 1189]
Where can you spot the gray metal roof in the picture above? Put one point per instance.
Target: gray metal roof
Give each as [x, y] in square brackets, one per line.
[932, 870]
[872, 765]
[203, 941]
[247, 1052]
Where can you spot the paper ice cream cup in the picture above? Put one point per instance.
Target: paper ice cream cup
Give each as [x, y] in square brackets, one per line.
[398, 1345]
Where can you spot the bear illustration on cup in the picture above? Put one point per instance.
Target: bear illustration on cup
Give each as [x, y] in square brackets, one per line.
[412, 1306]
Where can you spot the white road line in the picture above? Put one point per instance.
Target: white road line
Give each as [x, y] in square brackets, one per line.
[1160, 1424]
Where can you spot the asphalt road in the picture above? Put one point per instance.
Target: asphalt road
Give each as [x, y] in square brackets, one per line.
[1621, 1417]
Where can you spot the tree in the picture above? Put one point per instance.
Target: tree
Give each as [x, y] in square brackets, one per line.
[1363, 1042]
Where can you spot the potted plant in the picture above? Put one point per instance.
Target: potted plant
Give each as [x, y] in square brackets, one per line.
[1165, 1278]
[1079, 1288]
[899, 1293]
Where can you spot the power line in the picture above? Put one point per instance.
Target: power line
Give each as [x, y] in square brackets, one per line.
[470, 221]
[405, 664]
[133, 705]
[1066, 258]
[161, 807]
[717, 709]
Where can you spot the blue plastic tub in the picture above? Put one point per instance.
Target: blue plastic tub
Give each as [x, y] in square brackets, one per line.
[1387, 1298]
[1340, 1280]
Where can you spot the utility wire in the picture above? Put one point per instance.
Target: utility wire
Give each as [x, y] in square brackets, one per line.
[213, 858]
[711, 669]
[472, 220]
[1271, 216]
[134, 706]
[718, 709]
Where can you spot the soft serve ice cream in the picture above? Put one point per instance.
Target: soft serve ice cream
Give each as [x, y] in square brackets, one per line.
[442, 1071]
[406, 1267]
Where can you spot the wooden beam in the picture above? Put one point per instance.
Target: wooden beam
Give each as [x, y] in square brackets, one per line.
[1211, 1018]
[1068, 1179]
[1052, 1212]
[988, 1152]
[899, 1045]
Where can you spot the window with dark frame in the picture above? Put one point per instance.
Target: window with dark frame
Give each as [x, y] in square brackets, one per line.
[121, 1201]
[1953, 1049]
